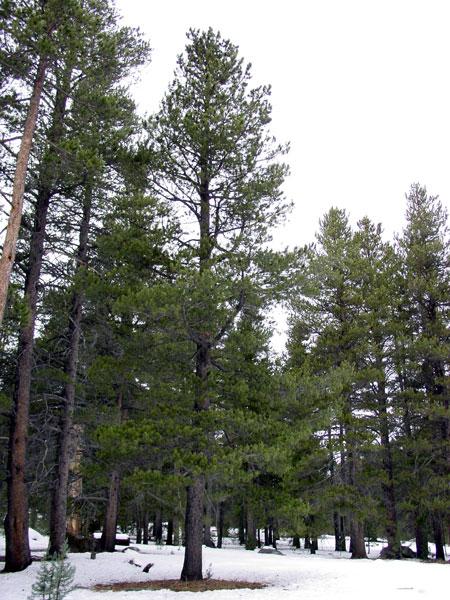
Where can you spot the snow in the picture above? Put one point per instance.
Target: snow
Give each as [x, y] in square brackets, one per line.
[295, 574]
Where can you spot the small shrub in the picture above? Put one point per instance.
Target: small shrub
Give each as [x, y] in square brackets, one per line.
[54, 579]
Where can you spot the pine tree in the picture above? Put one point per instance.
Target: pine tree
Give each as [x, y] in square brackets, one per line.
[215, 162]
[54, 578]
[424, 364]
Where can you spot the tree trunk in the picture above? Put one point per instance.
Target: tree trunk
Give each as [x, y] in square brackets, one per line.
[145, 528]
[157, 527]
[108, 539]
[58, 512]
[207, 539]
[176, 532]
[307, 542]
[12, 234]
[220, 524]
[17, 548]
[339, 534]
[358, 547]
[192, 566]
[438, 536]
[387, 484]
[241, 526]
[169, 538]
[138, 531]
[296, 542]
[421, 536]
[250, 542]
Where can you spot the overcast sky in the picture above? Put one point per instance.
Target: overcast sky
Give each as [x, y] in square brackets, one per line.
[361, 89]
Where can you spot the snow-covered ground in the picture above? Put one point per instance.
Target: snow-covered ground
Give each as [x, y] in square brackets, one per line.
[295, 575]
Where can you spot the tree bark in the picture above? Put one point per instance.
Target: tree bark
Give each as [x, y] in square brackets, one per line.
[250, 542]
[157, 527]
[220, 524]
[387, 485]
[192, 566]
[169, 538]
[438, 536]
[207, 539]
[357, 539]
[108, 539]
[421, 536]
[339, 534]
[145, 528]
[15, 217]
[16, 521]
[58, 512]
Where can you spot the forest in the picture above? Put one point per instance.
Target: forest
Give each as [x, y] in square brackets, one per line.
[138, 282]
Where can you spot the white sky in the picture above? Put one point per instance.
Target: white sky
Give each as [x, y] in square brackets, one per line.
[360, 88]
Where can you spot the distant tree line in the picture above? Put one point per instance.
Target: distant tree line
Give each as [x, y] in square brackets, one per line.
[138, 385]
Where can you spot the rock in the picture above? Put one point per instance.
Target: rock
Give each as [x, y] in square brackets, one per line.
[405, 552]
[268, 550]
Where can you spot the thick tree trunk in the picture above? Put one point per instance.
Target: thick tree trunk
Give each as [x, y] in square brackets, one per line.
[17, 548]
[13, 227]
[157, 527]
[250, 542]
[192, 566]
[358, 547]
[16, 521]
[438, 536]
[58, 512]
[339, 534]
[108, 539]
[314, 545]
[296, 542]
[421, 531]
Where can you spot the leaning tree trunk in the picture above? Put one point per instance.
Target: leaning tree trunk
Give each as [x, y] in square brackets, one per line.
[22, 559]
[16, 521]
[58, 510]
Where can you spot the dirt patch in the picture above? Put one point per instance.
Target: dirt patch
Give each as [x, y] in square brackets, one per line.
[178, 586]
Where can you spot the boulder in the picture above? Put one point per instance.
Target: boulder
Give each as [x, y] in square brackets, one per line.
[405, 552]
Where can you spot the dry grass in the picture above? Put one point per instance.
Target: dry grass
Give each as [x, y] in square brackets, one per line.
[178, 586]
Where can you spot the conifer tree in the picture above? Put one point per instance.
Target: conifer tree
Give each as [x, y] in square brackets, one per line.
[424, 248]
[215, 162]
